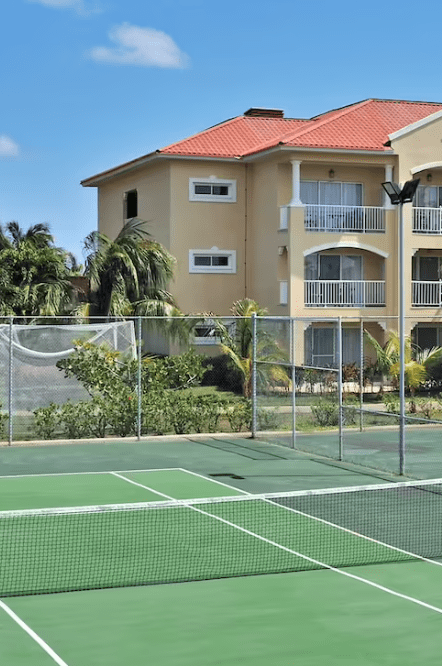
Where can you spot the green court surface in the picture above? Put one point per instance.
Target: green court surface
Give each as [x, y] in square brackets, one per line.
[385, 614]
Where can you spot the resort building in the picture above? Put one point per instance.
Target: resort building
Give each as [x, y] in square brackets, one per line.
[291, 212]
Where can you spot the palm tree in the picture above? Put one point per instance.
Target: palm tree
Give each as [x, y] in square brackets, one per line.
[34, 278]
[129, 275]
[238, 346]
[418, 362]
[38, 235]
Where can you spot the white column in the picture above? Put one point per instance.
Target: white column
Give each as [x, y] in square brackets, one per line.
[388, 179]
[296, 183]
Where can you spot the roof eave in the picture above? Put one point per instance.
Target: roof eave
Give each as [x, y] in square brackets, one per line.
[309, 149]
[98, 179]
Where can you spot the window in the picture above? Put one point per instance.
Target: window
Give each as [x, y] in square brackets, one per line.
[283, 292]
[212, 189]
[426, 269]
[321, 346]
[130, 204]
[331, 193]
[428, 196]
[333, 267]
[212, 261]
[205, 332]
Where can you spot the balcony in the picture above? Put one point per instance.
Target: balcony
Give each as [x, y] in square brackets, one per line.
[426, 294]
[344, 219]
[344, 293]
[427, 221]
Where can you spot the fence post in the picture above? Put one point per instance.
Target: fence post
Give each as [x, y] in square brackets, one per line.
[361, 376]
[11, 359]
[139, 387]
[254, 352]
[340, 388]
[292, 323]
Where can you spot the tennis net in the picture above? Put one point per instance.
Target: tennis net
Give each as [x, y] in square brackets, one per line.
[57, 550]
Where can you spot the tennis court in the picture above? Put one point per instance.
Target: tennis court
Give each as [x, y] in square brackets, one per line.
[278, 578]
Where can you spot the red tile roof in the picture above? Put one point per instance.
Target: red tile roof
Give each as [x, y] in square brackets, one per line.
[361, 126]
[235, 137]
[364, 126]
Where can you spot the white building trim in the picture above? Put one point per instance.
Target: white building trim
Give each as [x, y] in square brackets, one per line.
[345, 244]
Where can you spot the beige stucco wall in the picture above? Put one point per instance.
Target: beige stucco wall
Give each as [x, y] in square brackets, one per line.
[197, 225]
[152, 183]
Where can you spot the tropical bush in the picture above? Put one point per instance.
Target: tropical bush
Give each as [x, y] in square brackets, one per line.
[167, 403]
[3, 419]
[325, 412]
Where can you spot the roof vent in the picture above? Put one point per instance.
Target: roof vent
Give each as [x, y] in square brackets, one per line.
[257, 112]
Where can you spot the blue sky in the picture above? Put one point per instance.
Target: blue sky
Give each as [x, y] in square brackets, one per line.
[89, 84]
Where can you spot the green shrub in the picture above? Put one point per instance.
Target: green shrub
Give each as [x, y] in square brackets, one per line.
[239, 415]
[325, 412]
[47, 421]
[267, 419]
[426, 407]
[74, 420]
[391, 402]
[156, 413]
[220, 373]
[3, 419]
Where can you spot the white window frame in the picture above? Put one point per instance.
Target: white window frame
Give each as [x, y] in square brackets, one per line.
[220, 198]
[214, 251]
[283, 292]
[342, 183]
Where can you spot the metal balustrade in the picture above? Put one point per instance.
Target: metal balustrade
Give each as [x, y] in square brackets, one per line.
[344, 293]
[426, 293]
[344, 219]
[427, 221]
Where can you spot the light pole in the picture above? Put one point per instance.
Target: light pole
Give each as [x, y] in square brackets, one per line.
[398, 197]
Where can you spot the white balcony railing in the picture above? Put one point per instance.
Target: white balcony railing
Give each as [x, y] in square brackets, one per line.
[344, 293]
[344, 219]
[427, 221]
[427, 294]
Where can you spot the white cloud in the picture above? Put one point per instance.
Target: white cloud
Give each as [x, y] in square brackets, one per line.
[8, 147]
[78, 5]
[140, 46]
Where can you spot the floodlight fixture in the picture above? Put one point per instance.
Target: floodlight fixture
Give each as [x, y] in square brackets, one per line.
[393, 191]
[409, 190]
[398, 196]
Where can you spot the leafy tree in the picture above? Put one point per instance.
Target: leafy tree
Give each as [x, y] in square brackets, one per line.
[34, 273]
[238, 346]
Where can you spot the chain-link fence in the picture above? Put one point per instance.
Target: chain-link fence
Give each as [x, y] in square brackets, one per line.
[327, 387]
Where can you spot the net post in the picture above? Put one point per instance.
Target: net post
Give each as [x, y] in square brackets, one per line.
[340, 388]
[254, 353]
[139, 388]
[10, 388]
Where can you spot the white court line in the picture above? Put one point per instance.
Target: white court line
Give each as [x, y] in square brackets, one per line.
[322, 565]
[58, 660]
[108, 471]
